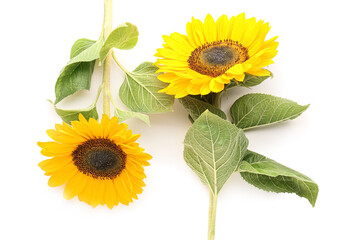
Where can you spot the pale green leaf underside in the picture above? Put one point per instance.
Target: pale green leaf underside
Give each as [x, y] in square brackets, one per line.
[72, 115]
[124, 37]
[196, 107]
[213, 149]
[87, 51]
[139, 91]
[255, 110]
[80, 45]
[124, 115]
[269, 175]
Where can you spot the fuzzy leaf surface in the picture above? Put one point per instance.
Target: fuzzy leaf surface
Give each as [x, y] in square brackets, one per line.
[196, 107]
[124, 37]
[213, 149]
[255, 110]
[139, 91]
[124, 115]
[269, 175]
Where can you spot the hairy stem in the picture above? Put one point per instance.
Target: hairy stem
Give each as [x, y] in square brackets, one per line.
[107, 28]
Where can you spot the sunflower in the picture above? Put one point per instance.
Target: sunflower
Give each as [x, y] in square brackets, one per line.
[214, 53]
[100, 162]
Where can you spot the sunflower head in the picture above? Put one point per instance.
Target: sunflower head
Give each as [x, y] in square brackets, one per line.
[213, 54]
[99, 162]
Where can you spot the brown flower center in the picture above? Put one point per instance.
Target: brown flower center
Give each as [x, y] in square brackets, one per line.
[215, 58]
[99, 158]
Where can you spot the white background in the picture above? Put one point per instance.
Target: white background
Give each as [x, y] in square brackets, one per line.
[310, 67]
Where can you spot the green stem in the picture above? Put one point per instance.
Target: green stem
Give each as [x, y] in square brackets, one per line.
[212, 216]
[217, 100]
[107, 28]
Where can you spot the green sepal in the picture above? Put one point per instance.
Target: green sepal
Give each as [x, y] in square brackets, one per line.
[249, 81]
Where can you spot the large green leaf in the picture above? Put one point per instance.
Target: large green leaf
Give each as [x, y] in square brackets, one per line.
[123, 37]
[78, 72]
[213, 149]
[269, 175]
[196, 107]
[124, 115]
[72, 115]
[139, 91]
[255, 110]
[75, 77]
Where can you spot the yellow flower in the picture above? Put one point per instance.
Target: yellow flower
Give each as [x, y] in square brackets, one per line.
[100, 162]
[214, 53]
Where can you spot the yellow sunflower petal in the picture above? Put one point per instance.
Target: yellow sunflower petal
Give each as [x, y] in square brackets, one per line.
[63, 175]
[74, 186]
[210, 29]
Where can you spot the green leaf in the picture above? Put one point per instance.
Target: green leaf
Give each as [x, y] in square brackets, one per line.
[72, 115]
[78, 72]
[269, 175]
[196, 107]
[139, 91]
[249, 81]
[255, 110]
[84, 50]
[75, 77]
[124, 37]
[213, 149]
[124, 115]
[80, 45]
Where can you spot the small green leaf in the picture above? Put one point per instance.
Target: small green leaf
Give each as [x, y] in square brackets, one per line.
[269, 175]
[213, 149]
[255, 110]
[78, 72]
[196, 107]
[124, 115]
[80, 45]
[72, 115]
[139, 91]
[84, 50]
[124, 37]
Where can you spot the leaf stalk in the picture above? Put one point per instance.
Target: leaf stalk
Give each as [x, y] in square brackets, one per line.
[212, 216]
